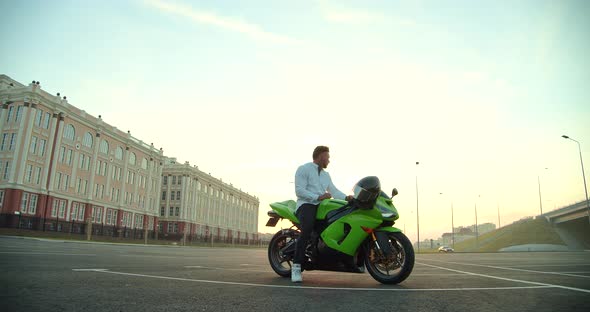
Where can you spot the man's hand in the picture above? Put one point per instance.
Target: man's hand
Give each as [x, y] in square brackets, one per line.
[349, 198]
[325, 196]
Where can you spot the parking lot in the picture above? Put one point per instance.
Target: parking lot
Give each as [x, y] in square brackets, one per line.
[45, 275]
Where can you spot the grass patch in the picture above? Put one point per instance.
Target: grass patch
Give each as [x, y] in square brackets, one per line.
[532, 231]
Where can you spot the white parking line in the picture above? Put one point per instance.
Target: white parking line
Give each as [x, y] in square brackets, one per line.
[547, 265]
[509, 279]
[224, 269]
[315, 287]
[508, 268]
[44, 253]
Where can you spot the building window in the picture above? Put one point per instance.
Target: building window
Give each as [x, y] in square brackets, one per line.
[19, 113]
[1, 197]
[5, 139]
[62, 208]
[33, 203]
[6, 171]
[58, 181]
[81, 212]
[144, 164]
[24, 203]
[171, 212]
[46, 120]
[87, 140]
[42, 143]
[96, 214]
[38, 175]
[163, 195]
[132, 158]
[177, 211]
[10, 113]
[173, 180]
[74, 211]
[179, 180]
[38, 118]
[69, 157]
[169, 227]
[162, 209]
[62, 154]
[33, 148]
[175, 227]
[12, 141]
[165, 180]
[29, 173]
[172, 195]
[139, 221]
[119, 153]
[66, 182]
[104, 147]
[178, 195]
[69, 132]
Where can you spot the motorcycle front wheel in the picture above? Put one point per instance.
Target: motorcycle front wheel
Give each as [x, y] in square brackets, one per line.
[392, 269]
[279, 257]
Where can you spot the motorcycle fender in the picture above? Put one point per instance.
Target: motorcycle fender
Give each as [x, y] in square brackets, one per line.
[388, 229]
[383, 239]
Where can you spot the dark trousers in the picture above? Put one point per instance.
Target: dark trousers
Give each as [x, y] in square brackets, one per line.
[306, 215]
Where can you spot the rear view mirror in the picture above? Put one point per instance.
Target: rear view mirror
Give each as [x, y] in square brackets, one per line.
[394, 192]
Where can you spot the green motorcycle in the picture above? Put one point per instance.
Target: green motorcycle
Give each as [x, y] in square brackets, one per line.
[347, 236]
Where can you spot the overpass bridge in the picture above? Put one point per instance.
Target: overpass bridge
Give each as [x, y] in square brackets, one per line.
[572, 223]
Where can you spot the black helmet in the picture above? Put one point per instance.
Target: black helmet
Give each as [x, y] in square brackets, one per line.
[366, 192]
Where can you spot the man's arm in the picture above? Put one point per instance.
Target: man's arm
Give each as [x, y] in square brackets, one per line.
[301, 186]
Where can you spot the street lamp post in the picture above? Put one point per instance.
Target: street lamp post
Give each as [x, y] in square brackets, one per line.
[498, 215]
[583, 174]
[417, 214]
[540, 200]
[452, 225]
[476, 230]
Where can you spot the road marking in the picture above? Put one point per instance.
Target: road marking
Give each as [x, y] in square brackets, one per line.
[511, 269]
[44, 253]
[547, 265]
[225, 269]
[315, 287]
[89, 270]
[509, 279]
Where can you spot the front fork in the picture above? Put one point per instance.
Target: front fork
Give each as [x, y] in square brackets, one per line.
[381, 241]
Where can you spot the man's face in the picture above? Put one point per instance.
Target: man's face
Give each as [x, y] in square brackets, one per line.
[324, 160]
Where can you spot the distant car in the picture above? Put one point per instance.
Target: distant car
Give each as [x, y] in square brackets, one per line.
[445, 249]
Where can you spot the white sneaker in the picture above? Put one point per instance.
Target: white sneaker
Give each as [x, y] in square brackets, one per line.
[296, 273]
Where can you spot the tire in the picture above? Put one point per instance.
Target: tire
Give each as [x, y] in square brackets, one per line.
[395, 268]
[275, 256]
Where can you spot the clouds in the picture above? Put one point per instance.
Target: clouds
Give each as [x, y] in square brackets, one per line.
[249, 29]
[353, 16]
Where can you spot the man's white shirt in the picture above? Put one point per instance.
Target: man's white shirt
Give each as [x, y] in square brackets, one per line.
[311, 183]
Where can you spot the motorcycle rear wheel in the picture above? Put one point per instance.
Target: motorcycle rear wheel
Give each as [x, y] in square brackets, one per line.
[279, 262]
[395, 268]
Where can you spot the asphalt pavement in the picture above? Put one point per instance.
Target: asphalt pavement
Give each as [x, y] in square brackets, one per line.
[49, 275]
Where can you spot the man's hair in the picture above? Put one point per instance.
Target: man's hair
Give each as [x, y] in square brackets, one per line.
[318, 150]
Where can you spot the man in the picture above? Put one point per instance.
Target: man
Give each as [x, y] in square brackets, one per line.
[312, 185]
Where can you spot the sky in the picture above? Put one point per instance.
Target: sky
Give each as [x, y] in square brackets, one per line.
[478, 92]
